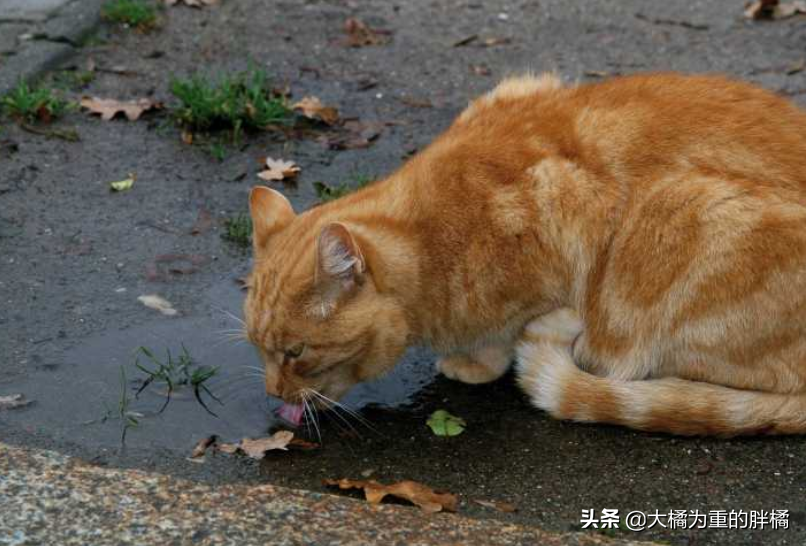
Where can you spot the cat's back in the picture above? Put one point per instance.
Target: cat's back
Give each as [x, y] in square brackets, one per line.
[638, 128]
[653, 123]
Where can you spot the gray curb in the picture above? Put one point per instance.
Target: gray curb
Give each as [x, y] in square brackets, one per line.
[49, 42]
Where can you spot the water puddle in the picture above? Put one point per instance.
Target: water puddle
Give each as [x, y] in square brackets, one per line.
[82, 399]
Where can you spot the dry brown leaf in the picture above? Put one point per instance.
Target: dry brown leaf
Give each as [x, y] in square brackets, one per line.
[773, 9]
[360, 35]
[13, 401]
[417, 493]
[299, 443]
[312, 108]
[279, 169]
[497, 505]
[202, 446]
[192, 3]
[357, 135]
[109, 108]
[257, 448]
[228, 448]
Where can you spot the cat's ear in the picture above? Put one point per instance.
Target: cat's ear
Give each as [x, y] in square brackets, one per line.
[339, 259]
[270, 212]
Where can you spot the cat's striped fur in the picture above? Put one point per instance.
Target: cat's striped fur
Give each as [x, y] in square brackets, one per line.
[639, 245]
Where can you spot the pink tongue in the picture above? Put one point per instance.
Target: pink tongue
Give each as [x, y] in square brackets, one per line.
[291, 413]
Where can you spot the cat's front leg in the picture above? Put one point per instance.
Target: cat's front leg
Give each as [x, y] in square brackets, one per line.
[483, 365]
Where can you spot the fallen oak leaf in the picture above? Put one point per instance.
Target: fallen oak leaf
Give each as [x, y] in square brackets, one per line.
[279, 169]
[312, 108]
[305, 445]
[359, 34]
[13, 401]
[201, 447]
[109, 108]
[228, 448]
[414, 492]
[256, 448]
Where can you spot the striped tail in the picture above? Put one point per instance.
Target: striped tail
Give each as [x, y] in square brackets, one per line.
[548, 374]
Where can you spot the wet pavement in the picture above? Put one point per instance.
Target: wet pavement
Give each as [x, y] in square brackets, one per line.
[74, 258]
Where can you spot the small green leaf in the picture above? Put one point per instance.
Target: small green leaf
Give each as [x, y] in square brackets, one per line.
[443, 423]
[122, 185]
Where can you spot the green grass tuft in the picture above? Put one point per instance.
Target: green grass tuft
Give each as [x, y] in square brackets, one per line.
[28, 104]
[132, 13]
[234, 103]
[177, 372]
[238, 230]
[327, 193]
[73, 80]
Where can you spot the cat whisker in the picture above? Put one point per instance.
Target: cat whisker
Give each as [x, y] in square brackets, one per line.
[228, 386]
[349, 411]
[228, 314]
[232, 342]
[309, 410]
[332, 405]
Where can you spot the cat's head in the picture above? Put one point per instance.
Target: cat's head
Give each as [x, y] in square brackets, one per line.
[315, 308]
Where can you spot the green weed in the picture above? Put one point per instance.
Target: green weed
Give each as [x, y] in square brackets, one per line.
[327, 193]
[234, 103]
[132, 13]
[218, 150]
[177, 372]
[128, 418]
[238, 230]
[28, 104]
[73, 80]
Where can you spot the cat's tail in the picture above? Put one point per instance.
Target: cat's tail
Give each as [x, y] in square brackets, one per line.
[547, 372]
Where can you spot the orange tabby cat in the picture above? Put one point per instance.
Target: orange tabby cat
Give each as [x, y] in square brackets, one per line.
[637, 246]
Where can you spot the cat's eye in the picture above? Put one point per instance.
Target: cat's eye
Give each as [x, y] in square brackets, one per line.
[295, 351]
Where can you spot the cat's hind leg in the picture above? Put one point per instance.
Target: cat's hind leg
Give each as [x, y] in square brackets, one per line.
[547, 372]
[483, 365]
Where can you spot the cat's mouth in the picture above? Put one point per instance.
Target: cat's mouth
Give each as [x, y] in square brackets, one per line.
[291, 413]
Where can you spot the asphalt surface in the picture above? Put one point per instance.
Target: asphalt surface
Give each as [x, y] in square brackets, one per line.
[74, 257]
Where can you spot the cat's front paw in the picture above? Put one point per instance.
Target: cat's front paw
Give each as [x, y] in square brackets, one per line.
[471, 370]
